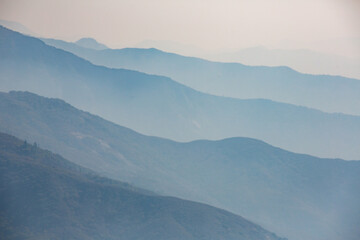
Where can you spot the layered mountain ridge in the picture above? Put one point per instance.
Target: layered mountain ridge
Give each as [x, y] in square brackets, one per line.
[282, 84]
[296, 196]
[158, 106]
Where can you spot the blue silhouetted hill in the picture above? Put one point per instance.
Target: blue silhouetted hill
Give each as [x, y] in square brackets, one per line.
[44, 196]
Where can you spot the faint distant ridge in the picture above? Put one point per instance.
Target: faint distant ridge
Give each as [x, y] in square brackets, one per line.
[90, 43]
[17, 27]
[174, 47]
[303, 60]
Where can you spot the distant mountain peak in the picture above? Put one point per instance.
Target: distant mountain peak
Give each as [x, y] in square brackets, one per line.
[91, 43]
[18, 27]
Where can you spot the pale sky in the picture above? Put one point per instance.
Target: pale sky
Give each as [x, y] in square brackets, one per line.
[324, 25]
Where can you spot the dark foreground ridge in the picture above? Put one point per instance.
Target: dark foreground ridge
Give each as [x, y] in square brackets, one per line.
[44, 196]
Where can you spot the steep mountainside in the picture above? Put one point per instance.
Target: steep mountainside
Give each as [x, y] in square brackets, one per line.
[326, 93]
[43, 196]
[296, 196]
[158, 106]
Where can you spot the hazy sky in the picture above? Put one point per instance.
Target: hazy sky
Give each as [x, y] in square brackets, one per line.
[325, 25]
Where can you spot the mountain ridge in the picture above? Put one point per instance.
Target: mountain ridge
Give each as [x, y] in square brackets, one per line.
[277, 83]
[303, 60]
[44, 196]
[127, 97]
[290, 194]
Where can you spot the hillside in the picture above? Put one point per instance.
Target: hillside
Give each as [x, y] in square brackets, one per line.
[296, 196]
[43, 196]
[158, 106]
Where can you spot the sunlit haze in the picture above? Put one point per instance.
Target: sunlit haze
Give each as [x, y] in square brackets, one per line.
[331, 26]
